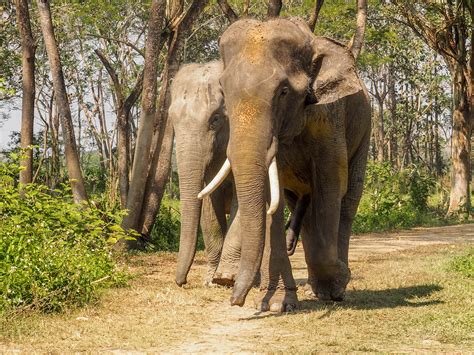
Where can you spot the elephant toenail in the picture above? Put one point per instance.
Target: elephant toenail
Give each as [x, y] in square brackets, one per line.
[277, 307]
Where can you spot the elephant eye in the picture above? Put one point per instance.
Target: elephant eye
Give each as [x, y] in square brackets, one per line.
[214, 121]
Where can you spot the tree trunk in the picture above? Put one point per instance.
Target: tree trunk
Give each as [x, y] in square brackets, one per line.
[160, 164]
[228, 11]
[315, 14]
[145, 130]
[155, 186]
[392, 95]
[64, 111]
[437, 146]
[358, 39]
[28, 49]
[274, 8]
[459, 200]
[123, 152]
[380, 133]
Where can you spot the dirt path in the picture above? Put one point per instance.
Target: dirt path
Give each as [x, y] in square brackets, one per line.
[232, 324]
[153, 315]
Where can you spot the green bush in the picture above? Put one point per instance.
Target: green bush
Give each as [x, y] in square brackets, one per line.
[53, 253]
[420, 186]
[464, 264]
[165, 233]
[395, 199]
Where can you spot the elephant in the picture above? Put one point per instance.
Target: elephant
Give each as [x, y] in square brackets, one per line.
[299, 127]
[202, 132]
[197, 112]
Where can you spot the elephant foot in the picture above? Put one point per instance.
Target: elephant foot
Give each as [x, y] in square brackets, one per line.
[208, 281]
[276, 300]
[226, 274]
[308, 291]
[332, 288]
[224, 279]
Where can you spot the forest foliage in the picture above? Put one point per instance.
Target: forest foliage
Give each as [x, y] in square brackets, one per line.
[53, 252]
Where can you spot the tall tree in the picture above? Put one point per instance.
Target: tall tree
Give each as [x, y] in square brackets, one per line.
[64, 111]
[124, 105]
[148, 105]
[28, 49]
[163, 137]
[447, 27]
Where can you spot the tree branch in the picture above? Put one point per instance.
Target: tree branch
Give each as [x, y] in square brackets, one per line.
[135, 93]
[113, 75]
[431, 36]
[245, 11]
[186, 19]
[228, 11]
[131, 45]
[274, 8]
[315, 14]
[358, 40]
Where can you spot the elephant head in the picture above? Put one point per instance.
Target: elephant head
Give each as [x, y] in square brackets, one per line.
[273, 71]
[197, 114]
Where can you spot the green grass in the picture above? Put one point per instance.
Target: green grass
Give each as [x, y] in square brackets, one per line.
[464, 264]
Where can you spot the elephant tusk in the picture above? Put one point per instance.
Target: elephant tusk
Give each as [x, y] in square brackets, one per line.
[274, 187]
[218, 179]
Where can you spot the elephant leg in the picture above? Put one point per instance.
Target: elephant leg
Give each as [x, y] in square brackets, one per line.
[328, 275]
[213, 225]
[351, 200]
[277, 285]
[228, 267]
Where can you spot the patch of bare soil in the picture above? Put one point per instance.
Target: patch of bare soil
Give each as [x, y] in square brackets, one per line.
[154, 315]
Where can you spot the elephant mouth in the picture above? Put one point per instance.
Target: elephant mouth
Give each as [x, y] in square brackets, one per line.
[272, 177]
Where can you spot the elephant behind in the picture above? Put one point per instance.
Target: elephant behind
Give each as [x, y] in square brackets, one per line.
[202, 133]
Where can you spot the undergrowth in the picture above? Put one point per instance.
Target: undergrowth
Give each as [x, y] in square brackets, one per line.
[397, 200]
[53, 253]
[165, 233]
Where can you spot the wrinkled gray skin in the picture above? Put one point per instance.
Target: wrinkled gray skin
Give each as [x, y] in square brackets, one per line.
[295, 96]
[202, 132]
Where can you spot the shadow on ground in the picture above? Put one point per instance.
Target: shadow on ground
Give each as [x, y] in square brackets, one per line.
[367, 300]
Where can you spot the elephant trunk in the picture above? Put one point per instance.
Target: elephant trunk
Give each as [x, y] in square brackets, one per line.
[250, 176]
[191, 176]
[250, 152]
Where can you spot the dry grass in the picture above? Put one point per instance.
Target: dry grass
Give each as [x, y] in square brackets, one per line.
[397, 302]
[148, 314]
[403, 301]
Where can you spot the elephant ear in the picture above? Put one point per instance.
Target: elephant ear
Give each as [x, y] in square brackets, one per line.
[333, 71]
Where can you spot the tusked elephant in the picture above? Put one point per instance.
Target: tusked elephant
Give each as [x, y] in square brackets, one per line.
[202, 133]
[299, 125]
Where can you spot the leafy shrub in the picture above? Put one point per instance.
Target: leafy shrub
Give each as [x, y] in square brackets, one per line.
[165, 233]
[420, 186]
[53, 253]
[464, 264]
[394, 199]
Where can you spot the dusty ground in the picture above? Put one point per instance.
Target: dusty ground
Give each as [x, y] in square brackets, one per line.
[401, 298]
